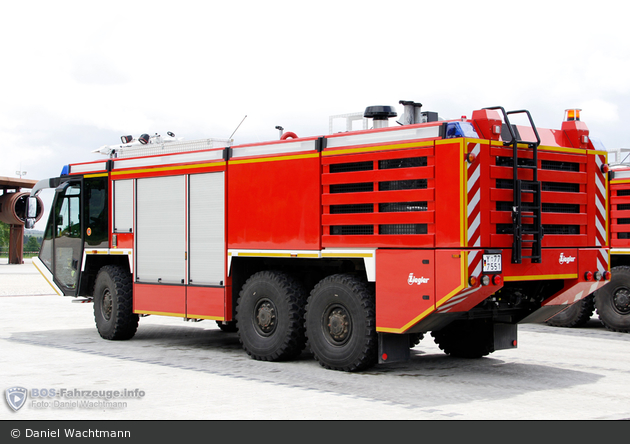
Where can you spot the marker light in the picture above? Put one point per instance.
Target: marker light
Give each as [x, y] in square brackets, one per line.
[607, 275]
[605, 168]
[572, 114]
[470, 157]
[588, 276]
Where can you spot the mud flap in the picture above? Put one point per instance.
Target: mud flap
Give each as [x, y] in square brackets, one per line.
[393, 348]
[505, 336]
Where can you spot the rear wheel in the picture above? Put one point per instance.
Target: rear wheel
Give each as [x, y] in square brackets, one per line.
[613, 301]
[270, 316]
[576, 315]
[466, 339]
[341, 324]
[113, 304]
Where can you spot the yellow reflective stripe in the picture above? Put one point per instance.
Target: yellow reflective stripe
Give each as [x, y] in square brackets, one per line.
[88, 176]
[564, 150]
[160, 313]
[347, 255]
[169, 168]
[540, 276]
[334, 152]
[273, 159]
[212, 318]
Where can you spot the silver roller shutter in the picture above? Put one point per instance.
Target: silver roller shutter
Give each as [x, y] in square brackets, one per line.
[161, 230]
[207, 229]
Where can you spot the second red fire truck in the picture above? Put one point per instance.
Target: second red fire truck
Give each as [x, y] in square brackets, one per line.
[353, 244]
[612, 302]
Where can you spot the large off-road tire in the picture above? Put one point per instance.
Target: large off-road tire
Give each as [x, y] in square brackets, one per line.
[341, 323]
[466, 339]
[270, 316]
[613, 301]
[113, 305]
[576, 315]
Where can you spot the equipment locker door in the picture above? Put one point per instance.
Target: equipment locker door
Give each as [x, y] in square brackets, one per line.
[180, 245]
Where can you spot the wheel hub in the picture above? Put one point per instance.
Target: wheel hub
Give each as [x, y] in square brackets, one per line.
[266, 317]
[621, 301]
[107, 305]
[338, 324]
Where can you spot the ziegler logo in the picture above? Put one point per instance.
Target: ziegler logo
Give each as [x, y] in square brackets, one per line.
[414, 280]
[566, 259]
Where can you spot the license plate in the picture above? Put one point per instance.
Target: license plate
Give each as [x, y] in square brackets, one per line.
[492, 263]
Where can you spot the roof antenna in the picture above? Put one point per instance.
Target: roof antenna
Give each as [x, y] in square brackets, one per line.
[239, 125]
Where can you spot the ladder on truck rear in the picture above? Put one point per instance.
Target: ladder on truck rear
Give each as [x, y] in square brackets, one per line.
[529, 212]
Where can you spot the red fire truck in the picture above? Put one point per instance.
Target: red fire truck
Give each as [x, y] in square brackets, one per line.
[613, 300]
[354, 244]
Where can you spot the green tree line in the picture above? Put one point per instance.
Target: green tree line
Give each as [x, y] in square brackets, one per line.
[31, 243]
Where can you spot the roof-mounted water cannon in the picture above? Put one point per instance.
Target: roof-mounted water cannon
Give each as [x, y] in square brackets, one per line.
[380, 115]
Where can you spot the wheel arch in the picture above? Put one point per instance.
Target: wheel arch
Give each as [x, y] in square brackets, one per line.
[92, 264]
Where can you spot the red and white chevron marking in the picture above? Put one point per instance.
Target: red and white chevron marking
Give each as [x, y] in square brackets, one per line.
[600, 201]
[474, 229]
[601, 218]
[474, 197]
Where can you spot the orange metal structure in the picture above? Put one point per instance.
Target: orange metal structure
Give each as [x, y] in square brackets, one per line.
[360, 242]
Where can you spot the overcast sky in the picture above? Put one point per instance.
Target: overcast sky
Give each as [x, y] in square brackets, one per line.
[76, 75]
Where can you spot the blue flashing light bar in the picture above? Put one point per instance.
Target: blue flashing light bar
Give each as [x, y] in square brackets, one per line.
[460, 129]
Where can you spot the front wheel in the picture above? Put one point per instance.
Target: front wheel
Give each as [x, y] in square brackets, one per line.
[613, 301]
[113, 308]
[341, 324]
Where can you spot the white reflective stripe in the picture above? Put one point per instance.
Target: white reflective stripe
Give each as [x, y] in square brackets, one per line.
[276, 148]
[578, 296]
[601, 209]
[622, 174]
[457, 299]
[477, 149]
[474, 202]
[474, 226]
[383, 136]
[87, 167]
[368, 256]
[601, 229]
[600, 185]
[155, 161]
[473, 179]
[107, 251]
